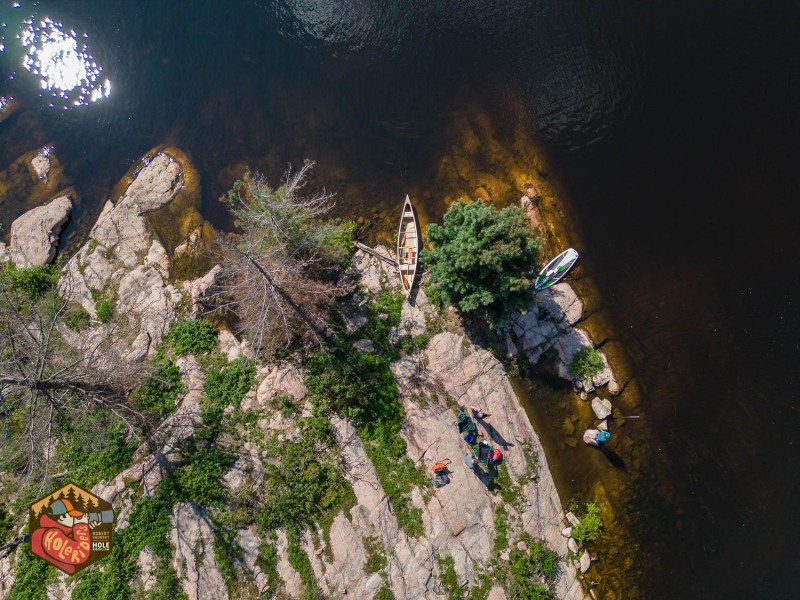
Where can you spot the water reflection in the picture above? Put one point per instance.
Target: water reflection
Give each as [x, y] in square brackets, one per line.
[66, 68]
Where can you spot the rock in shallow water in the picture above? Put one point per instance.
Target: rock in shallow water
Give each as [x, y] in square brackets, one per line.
[35, 235]
[601, 407]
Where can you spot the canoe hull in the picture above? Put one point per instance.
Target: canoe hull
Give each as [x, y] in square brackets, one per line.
[408, 245]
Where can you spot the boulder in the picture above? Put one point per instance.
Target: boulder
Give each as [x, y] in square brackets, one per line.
[572, 518]
[35, 235]
[590, 437]
[572, 545]
[601, 408]
[567, 532]
[585, 562]
[364, 346]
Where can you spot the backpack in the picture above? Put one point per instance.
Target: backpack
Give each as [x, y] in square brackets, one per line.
[439, 468]
[495, 457]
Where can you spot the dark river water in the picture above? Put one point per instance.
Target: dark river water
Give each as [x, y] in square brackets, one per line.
[668, 129]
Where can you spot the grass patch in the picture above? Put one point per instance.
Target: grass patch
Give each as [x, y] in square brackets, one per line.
[376, 559]
[267, 561]
[385, 593]
[300, 562]
[449, 578]
[501, 525]
[361, 387]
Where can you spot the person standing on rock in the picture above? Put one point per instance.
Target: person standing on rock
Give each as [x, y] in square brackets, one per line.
[471, 460]
[479, 413]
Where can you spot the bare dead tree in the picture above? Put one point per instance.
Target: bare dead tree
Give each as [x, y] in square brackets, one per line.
[277, 270]
[51, 376]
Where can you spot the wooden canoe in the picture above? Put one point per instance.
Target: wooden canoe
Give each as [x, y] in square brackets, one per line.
[408, 245]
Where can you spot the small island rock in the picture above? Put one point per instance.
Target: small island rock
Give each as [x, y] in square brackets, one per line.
[590, 437]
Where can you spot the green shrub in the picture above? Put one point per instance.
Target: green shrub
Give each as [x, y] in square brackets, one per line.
[77, 318]
[385, 593]
[590, 527]
[229, 385]
[480, 258]
[200, 478]
[105, 309]
[31, 282]
[95, 448]
[224, 387]
[305, 482]
[533, 573]
[159, 392]
[195, 336]
[586, 363]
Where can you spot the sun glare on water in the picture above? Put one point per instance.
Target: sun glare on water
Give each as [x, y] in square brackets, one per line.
[66, 69]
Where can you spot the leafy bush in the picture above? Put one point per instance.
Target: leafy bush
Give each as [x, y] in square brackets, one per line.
[586, 363]
[530, 569]
[480, 258]
[77, 318]
[195, 336]
[229, 385]
[385, 593]
[224, 387]
[501, 526]
[199, 478]
[300, 562]
[31, 282]
[305, 481]
[590, 527]
[159, 392]
[105, 309]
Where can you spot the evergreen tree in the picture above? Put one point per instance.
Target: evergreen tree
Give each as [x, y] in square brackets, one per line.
[480, 260]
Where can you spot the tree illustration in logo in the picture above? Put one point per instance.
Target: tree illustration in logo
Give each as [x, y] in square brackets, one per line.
[71, 528]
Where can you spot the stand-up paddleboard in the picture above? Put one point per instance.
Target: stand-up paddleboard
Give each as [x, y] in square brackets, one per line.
[556, 269]
[408, 247]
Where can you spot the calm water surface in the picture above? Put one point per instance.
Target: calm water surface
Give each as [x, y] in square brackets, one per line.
[669, 127]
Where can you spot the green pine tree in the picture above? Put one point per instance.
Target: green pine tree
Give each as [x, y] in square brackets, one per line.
[480, 260]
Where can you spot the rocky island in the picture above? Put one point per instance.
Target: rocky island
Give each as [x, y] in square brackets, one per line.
[214, 425]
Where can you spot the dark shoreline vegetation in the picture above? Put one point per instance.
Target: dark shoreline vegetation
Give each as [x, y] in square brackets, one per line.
[279, 290]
